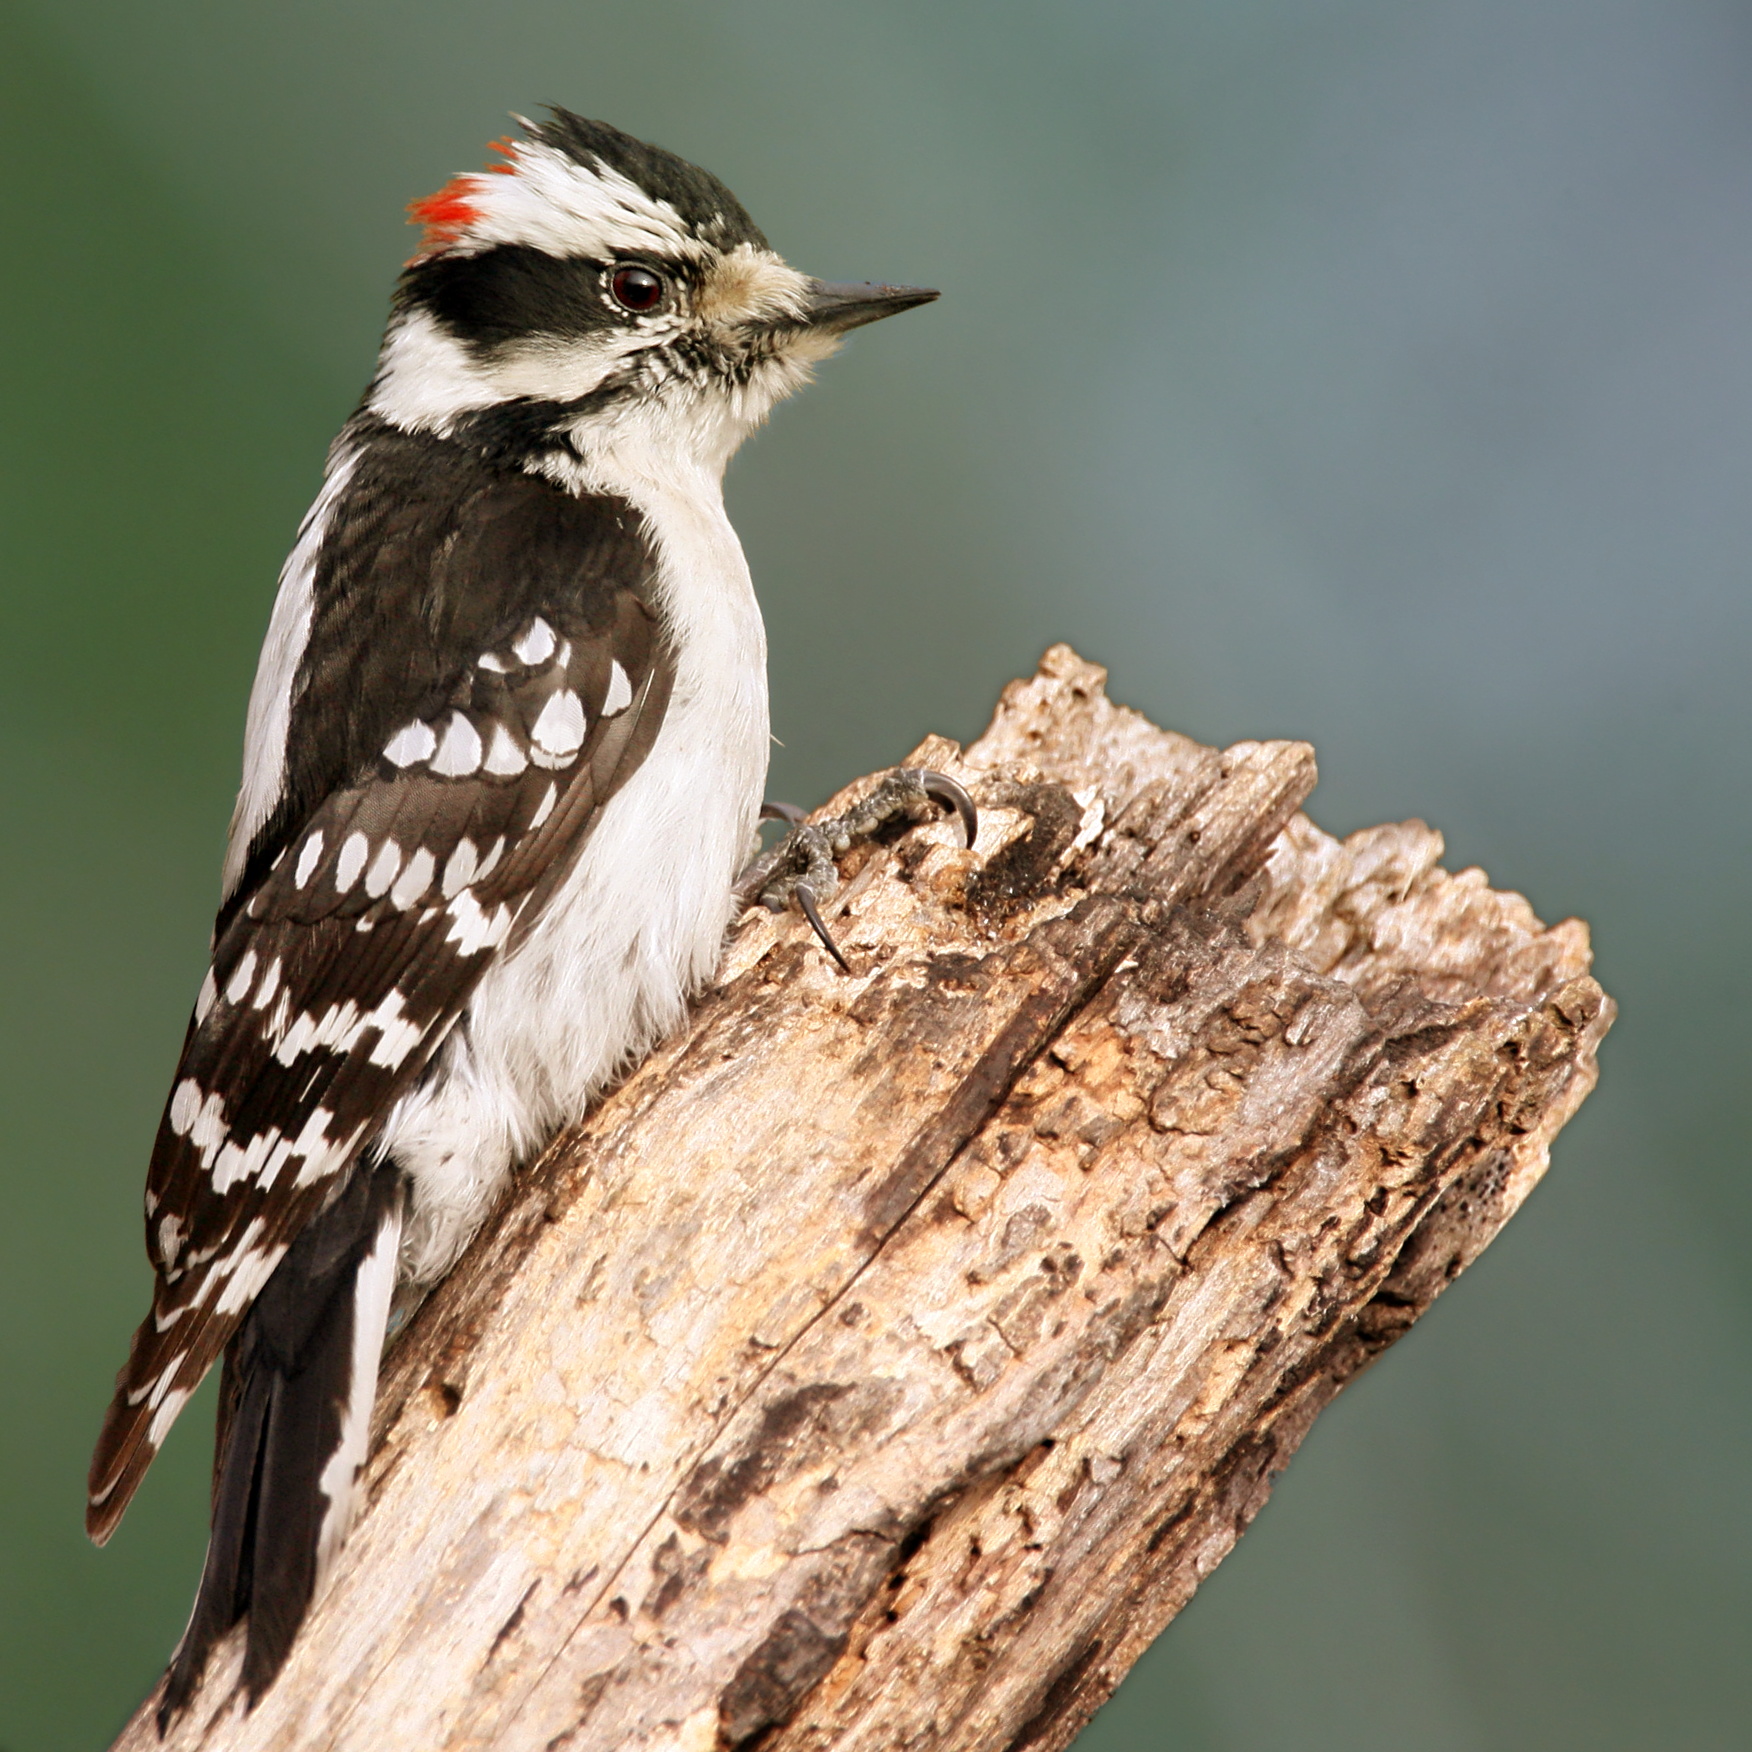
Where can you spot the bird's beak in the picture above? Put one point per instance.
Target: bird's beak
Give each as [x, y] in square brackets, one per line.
[837, 308]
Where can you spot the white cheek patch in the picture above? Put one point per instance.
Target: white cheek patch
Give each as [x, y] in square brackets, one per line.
[426, 379]
[548, 368]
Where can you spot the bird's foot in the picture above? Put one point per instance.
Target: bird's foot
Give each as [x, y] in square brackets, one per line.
[800, 870]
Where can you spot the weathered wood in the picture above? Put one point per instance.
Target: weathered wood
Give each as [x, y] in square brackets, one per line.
[885, 1363]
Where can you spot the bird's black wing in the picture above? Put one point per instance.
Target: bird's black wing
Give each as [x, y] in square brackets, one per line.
[352, 945]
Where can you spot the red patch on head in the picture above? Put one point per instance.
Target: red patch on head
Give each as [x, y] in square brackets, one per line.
[445, 215]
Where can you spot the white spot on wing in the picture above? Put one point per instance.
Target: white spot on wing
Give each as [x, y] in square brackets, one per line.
[270, 984]
[544, 808]
[410, 743]
[209, 995]
[185, 1103]
[383, 869]
[415, 879]
[397, 1036]
[560, 728]
[504, 757]
[490, 862]
[474, 928]
[238, 1163]
[620, 692]
[200, 1120]
[460, 752]
[496, 665]
[537, 645]
[249, 1267]
[170, 1238]
[168, 1410]
[337, 1029]
[308, 858]
[241, 976]
[312, 1145]
[459, 869]
[351, 861]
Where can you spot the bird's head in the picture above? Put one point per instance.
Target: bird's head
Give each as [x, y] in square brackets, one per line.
[591, 292]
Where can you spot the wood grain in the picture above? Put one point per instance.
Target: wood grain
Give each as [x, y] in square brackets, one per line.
[886, 1361]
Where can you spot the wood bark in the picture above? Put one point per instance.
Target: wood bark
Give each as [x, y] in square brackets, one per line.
[888, 1359]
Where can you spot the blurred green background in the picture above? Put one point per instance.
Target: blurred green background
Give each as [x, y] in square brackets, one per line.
[1376, 374]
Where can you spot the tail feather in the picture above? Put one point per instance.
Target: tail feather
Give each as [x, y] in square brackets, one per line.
[301, 1375]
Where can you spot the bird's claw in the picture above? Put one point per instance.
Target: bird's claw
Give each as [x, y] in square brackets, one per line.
[800, 869]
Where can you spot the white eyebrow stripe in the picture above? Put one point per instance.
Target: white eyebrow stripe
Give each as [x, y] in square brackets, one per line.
[566, 208]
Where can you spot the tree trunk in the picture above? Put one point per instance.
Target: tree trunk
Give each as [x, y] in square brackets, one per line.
[886, 1361]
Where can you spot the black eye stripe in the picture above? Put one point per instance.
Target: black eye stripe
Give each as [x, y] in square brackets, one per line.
[508, 292]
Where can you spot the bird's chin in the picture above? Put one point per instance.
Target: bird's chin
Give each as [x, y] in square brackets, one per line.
[800, 350]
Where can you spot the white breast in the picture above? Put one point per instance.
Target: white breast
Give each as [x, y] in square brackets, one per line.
[639, 924]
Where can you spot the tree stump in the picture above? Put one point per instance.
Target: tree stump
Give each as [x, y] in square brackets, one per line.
[888, 1359]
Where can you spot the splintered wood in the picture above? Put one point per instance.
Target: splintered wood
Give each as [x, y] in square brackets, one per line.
[888, 1360]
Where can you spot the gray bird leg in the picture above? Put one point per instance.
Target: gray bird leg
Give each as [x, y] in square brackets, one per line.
[800, 869]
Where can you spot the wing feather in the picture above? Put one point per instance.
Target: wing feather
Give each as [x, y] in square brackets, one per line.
[344, 967]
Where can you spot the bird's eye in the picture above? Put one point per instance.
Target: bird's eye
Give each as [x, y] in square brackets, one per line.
[637, 288]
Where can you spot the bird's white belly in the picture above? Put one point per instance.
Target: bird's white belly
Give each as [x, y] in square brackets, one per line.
[635, 930]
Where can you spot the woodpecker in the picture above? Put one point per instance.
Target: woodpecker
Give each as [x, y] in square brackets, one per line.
[502, 763]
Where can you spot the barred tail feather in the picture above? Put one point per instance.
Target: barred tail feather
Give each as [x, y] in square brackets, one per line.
[301, 1375]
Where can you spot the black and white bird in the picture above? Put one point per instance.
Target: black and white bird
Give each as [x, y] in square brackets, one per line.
[503, 761]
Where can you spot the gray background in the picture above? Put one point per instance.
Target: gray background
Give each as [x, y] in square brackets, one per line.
[1372, 373]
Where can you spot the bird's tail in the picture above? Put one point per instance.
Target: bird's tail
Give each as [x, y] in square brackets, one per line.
[295, 1416]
